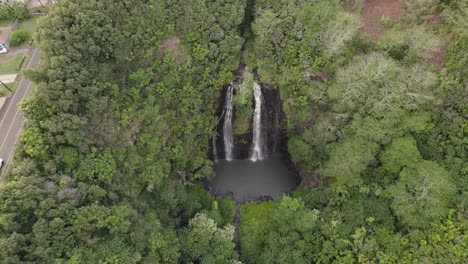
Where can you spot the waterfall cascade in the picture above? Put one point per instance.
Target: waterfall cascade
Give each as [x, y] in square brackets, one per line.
[257, 140]
[227, 126]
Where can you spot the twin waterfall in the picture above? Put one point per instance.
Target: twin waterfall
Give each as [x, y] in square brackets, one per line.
[227, 127]
[257, 142]
[257, 148]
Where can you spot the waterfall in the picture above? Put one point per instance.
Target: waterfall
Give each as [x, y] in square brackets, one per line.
[227, 126]
[257, 141]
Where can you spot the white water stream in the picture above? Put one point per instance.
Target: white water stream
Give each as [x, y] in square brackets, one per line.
[257, 140]
[227, 126]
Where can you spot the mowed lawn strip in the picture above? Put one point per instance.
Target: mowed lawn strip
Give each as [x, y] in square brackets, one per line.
[10, 66]
[4, 91]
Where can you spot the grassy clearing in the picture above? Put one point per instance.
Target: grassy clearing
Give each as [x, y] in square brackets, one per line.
[5, 22]
[4, 91]
[9, 66]
[30, 26]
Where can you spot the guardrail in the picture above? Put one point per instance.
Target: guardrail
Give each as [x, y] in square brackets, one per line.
[21, 63]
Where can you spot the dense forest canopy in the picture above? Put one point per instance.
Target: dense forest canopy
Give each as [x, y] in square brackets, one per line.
[110, 165]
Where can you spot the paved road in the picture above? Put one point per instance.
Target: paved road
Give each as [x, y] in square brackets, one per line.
[12, 52]
[11, 118]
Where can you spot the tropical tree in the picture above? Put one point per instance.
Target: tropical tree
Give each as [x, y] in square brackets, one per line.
[422, 194]
[402, 153]
[348, 160]
[203, 242]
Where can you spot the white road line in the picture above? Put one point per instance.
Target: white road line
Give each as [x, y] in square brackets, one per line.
[10, 154]
[8, 131]
[12, 100]
[32, 58]
[12, 123]
[7, 162]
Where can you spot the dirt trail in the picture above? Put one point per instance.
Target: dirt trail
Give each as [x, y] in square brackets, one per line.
[374, 10]
[437, 58]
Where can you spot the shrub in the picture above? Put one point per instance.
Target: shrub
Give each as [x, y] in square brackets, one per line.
[411, 45]
[243, 104]
[18, 10]
[417, 10]
[5, 12]
[353, 5]
[18, 37]
[396, 43]
[387, 22]
[342, 29]
[454, 14]
[227, 208]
